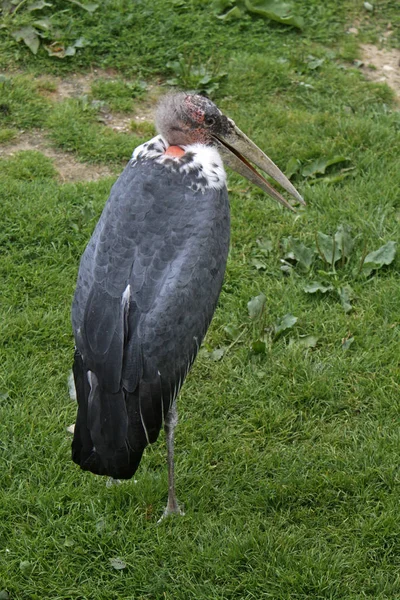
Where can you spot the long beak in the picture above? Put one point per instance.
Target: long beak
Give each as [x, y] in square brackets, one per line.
[238, 151]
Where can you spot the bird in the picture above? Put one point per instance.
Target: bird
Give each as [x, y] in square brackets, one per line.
[149, 281]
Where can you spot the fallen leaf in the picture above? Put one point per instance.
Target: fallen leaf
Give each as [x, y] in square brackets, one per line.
[292, 167]
[319, 166]
[232, 331]
[232, 14]
[100, 525]
[259, 347]
[258, 264]
[346, 295]
[314, 63]
[328, 248]
[37, 5]
[88, 7]
[220, 6]
[256, 306]
[217, 354]
[344, 241]
[284, 323]
[58, 49]
[29, 36]
[69, 542]
[26, 567]
[43, 24]
[264, 245]
[383, 256]
[303, 255]
[316, 286]
[118, 563]
[274, 10]
[308, 341]
[347, 342]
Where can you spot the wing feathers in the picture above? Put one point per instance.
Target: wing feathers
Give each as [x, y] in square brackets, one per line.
[147, 287]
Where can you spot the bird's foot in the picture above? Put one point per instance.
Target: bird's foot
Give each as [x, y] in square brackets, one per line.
[172, 508]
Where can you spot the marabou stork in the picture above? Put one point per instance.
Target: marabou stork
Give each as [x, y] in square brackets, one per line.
[149, 282]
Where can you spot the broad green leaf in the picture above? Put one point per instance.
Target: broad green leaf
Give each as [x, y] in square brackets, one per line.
[344, 241]
[26, 567]
[4, 595]
[292, 167]
[328, 248]
[303, 255]
[347, 342]
[38, 5]
[100, 525]
[308, 341]
[383, 256]
[232, 14]
[346, 295]
[332, 179]
[284, 323]
[29, 36]
[264, 245]
[42, 24]
[69, 542]
[256, 306]
[314, 63]
[220, 6]
[118, 563]
[80, 43]
[6, 7]
[88, 7]
[259, 347]
[217, 354]
[258, 264]
[231, 331]
[70, 51]
[316, 286]
[274, 10]
[319, 166]
[286, 267]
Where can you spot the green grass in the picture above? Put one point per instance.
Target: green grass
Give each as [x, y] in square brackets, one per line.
[287, 462]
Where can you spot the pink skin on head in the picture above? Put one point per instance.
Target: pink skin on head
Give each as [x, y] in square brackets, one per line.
[195, 112]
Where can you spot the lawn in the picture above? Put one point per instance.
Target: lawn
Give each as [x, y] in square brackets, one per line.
[288, 442]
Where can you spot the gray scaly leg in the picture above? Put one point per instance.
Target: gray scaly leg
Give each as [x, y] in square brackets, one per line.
[171, 421]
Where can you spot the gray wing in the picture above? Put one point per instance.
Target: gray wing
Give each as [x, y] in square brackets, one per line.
[147, 288]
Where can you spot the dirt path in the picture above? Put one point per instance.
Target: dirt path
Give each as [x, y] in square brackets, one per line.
[75, 86]
[382, 66]
[69, 169]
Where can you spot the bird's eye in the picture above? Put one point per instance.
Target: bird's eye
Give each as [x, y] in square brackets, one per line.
[209, 121]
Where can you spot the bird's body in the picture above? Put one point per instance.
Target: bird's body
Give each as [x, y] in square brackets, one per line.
[149, 282]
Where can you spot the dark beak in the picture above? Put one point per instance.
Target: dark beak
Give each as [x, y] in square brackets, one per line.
[238, 151]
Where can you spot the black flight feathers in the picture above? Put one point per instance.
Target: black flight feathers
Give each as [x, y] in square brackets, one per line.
[135, 346]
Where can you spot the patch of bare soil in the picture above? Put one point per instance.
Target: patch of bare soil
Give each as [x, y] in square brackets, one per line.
[75, 86]
[68, 168]
[382, 66]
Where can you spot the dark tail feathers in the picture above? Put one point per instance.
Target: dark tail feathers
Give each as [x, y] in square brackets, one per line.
[109, 438]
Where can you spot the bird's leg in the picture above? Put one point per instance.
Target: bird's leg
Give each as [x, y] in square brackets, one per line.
[169, 426]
